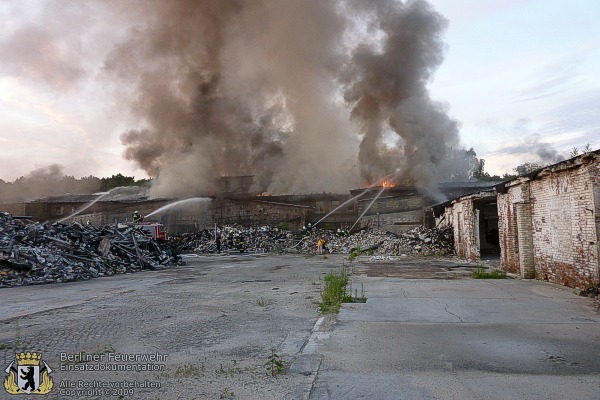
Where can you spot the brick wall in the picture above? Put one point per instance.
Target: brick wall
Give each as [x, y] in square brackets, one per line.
[564, 227]
[463, 218]
[507, 226]
[594, 171]
[525, 239]
[394, 222]
[107, 213]
[13, 208]
[548, 226]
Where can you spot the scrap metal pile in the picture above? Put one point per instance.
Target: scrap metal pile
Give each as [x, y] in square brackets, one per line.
[419, 240]
[35, 253]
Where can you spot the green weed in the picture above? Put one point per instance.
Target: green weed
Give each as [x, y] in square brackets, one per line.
[228, 371]
[182, 371]
[337, 290]
[226, 393]
[275, 365]
[188, 370]
[264, 302]
[483, 273]
[355, 253]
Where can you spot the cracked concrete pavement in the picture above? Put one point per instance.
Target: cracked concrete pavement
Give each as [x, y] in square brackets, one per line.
[424, 333]
[217, 319]
[462, 339]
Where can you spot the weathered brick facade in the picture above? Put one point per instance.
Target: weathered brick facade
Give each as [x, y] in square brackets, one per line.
[549, 222]
[507, 226]
[461, 218]
[465, 216]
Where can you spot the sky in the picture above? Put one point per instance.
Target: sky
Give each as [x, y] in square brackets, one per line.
[520, 77]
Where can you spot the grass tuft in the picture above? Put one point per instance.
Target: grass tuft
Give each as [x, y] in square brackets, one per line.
[227, 393]
[264, 302]
[355, 253]
[483, 273]
[337, 290]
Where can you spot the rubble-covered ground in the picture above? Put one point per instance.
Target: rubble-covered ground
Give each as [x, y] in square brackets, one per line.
[36, 253]
[268, 239]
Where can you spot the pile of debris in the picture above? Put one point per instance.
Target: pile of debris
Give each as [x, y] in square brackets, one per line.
[268, 239]
[418, 240]
[236, 239]
[593, 292]
[35, 253]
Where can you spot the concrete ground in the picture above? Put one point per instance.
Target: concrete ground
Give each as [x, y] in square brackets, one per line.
[217, 319]
[461, 339]
[427, 331]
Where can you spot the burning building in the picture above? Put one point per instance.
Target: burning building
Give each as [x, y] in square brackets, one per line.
[399, 208]
[295, 97]
[97, 211]
[232, 204]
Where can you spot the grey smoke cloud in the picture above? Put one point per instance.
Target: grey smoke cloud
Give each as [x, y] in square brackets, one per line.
[297, 93]
[45, 181]
[55, 43]
[387, 89]
[35, 53]
[545, 153]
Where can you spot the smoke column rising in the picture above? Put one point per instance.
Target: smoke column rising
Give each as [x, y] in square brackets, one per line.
[301, 94]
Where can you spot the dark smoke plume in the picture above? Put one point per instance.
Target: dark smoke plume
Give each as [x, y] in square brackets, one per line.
[305, 95]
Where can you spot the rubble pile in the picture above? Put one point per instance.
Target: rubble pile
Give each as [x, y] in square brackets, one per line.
[592, 292]
[268, 239]
[35, 253]
[418, 240]
[235, 238]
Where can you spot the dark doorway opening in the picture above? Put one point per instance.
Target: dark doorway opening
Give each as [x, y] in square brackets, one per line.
[489, 238]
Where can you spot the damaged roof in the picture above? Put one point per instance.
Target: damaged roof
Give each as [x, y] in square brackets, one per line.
[571, 163]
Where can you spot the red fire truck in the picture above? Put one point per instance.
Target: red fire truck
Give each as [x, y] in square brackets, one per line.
[155, 230]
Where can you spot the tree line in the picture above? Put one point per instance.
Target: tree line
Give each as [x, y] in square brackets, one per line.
[50, 182]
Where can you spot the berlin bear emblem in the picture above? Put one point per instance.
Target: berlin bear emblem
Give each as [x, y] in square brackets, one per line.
[28, 376]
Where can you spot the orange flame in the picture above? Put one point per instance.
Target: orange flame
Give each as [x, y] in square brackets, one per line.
[388, 184]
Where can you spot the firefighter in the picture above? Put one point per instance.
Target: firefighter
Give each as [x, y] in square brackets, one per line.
[137, 217]
[241, 244]
[320, 245]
